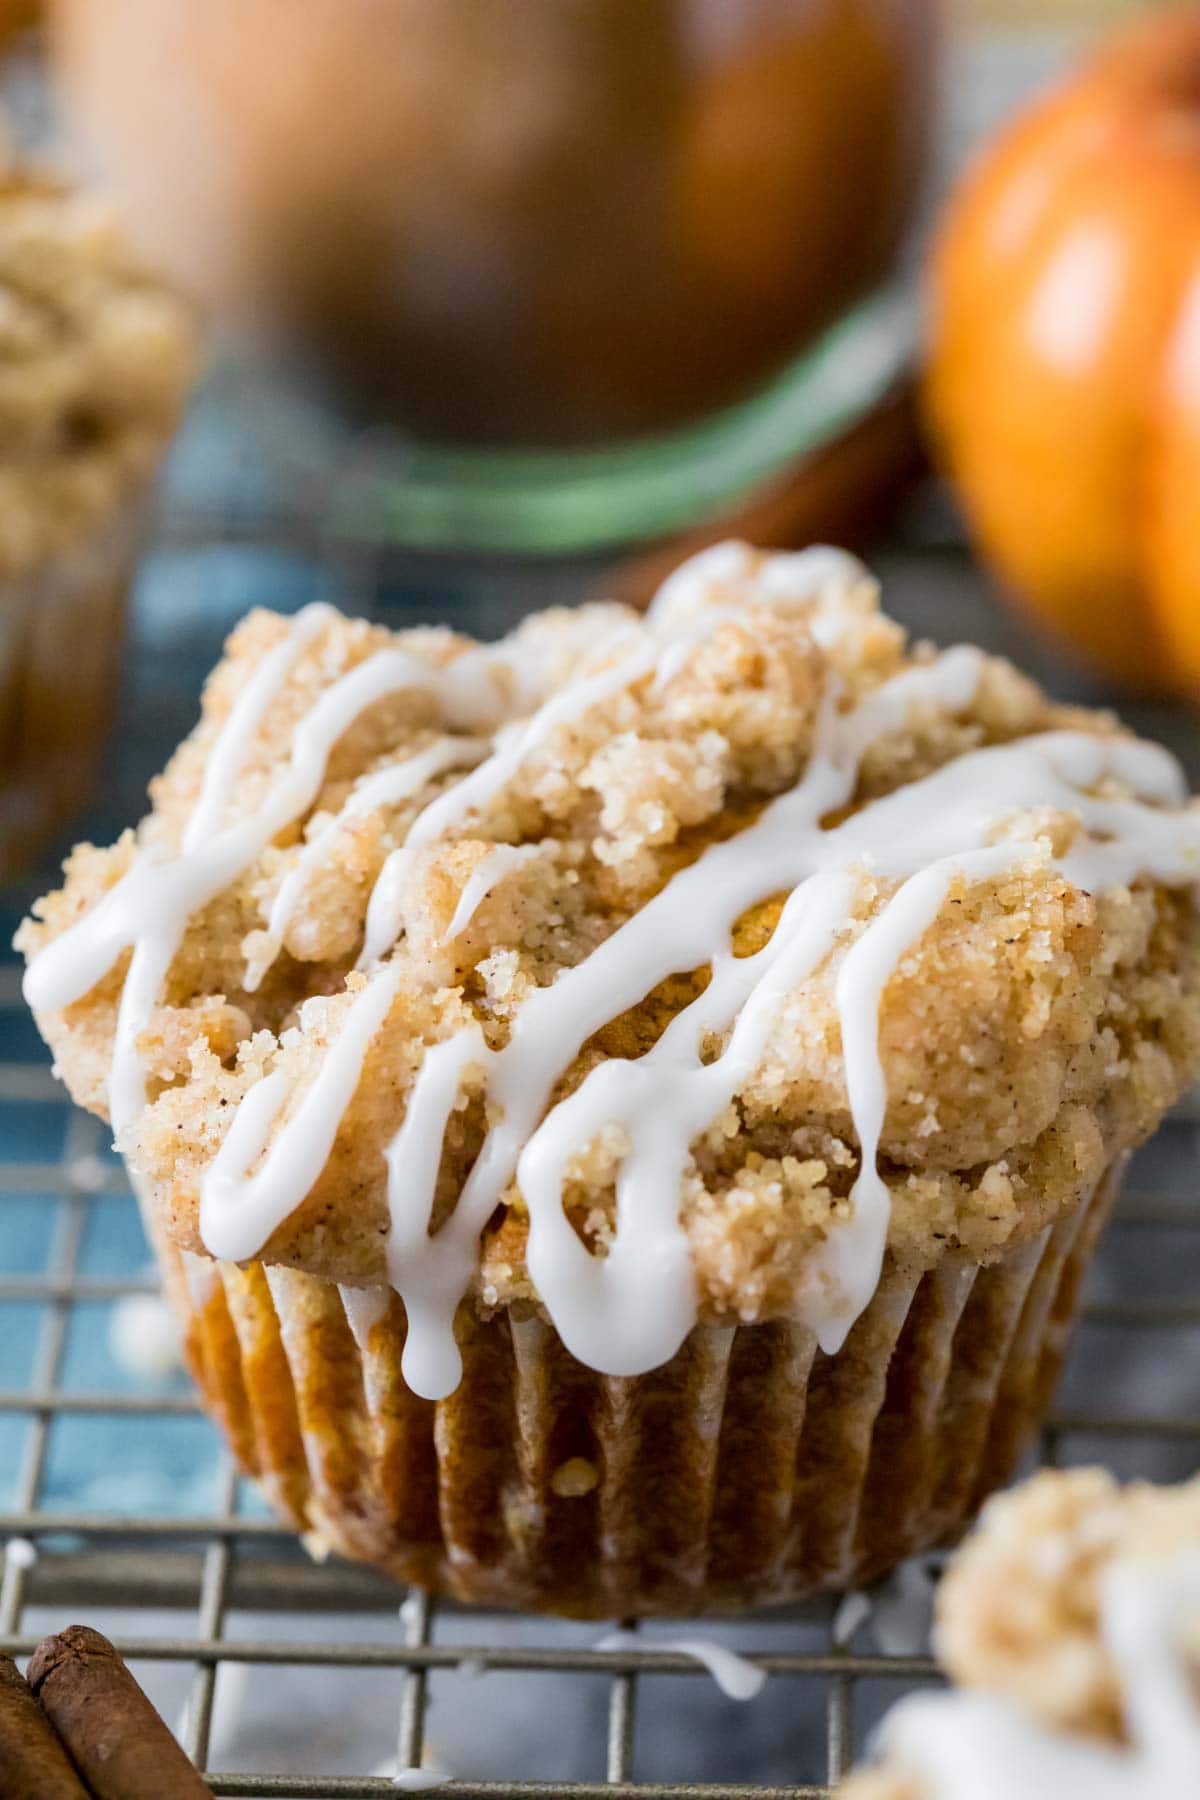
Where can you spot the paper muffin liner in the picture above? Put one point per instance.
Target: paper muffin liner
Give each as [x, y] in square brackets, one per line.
[61, 626]
[750, 1469]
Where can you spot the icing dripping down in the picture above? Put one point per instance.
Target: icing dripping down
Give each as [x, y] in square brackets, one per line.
[968, 1746]
[389, 787]
[431, 1271]
[851, 1259]
[736, 1676]
[630, 1306]
[238, 1212]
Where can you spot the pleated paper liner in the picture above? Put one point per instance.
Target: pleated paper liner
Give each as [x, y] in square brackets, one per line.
[751, 1469]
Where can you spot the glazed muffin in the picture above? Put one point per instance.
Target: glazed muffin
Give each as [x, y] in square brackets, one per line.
[624, 1112]
[1072, 1616]
[95, 360]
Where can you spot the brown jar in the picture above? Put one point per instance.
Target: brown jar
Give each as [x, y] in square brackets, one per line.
[517, 221]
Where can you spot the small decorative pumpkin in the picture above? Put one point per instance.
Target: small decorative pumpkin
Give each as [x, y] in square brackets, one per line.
[1063, 384]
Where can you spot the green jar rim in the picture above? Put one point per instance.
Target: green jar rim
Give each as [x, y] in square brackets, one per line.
[395, 492]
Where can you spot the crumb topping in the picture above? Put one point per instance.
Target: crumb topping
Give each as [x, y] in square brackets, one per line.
[1030, 1035]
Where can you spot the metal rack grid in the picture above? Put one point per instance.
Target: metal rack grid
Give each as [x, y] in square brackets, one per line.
[220, 1560]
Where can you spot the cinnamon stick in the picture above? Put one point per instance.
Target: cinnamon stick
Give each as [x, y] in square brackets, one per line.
[33, 1763]
[116, 1739]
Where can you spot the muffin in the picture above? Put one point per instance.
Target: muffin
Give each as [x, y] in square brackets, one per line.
[95, 359]
[1072, 1619]
[624, 1112]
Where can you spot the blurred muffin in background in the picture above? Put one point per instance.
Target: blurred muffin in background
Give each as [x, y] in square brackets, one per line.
[95, 361]
[1070, 1622]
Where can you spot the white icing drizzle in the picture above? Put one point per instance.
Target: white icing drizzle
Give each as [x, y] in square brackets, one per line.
[490, 685]
[20, 1553]
[431, 1272]
[626, 1306]
[148, 909]
[851, 1259]
[415, 1780]
[239, 1211]
[385, 909]
[898, 1609]
[229, 753]
[628, 1310]
[496, 865]
[692, 585]
[967, 1746]
[736, 1676]
[388, 787]
[820, 579]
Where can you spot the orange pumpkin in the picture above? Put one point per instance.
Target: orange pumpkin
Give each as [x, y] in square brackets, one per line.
[1063, 383]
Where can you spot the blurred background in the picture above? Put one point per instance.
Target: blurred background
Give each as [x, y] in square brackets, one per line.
[489, 308]
[447, 309]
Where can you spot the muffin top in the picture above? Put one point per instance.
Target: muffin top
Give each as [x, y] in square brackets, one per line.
[633, 968]
[95, 359]
[1073, 1615]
